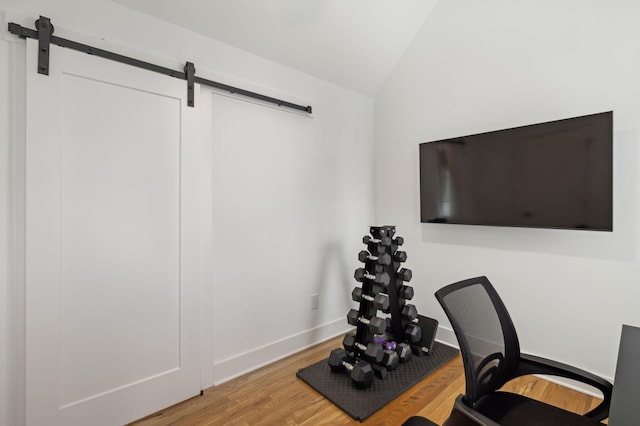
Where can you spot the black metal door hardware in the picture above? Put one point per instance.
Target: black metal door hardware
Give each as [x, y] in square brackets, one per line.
[44, 34]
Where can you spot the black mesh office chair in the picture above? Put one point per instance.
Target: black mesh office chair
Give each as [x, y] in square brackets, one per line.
[491, 357]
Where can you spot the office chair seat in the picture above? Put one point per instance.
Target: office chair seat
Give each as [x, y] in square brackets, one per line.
[510, 409]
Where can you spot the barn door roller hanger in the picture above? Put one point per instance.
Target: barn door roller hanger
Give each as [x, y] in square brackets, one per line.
[44, 34]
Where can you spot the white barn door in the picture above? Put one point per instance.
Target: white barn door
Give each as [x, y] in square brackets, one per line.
[112, 261]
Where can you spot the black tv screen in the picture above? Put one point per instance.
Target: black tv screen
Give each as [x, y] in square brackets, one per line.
[557, 174]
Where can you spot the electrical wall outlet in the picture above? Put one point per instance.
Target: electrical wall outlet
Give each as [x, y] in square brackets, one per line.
[315, 301]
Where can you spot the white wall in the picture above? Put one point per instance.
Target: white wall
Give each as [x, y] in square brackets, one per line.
[287, 190]
[332, 191]
[482, 66]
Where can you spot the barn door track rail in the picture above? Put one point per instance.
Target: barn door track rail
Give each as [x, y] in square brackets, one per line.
[44, 34]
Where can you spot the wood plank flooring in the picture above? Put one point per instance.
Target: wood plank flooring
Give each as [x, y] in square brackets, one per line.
[273, 395]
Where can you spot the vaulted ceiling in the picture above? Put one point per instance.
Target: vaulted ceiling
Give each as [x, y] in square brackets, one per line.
[352, 43]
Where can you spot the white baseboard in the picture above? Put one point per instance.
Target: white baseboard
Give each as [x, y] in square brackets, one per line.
[244, 363]
[447, 336]
[240, 364]
[574, 384]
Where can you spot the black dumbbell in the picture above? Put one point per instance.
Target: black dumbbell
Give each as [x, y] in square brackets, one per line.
[400, 256]
[381, 278]
[378, 269]
[361, 372]
[413, 332]
[384, 241]
[377, 248]
[404, 352]
[372, 352]
[406, 292]
[388, 321]
[398, 241]
[381, 259]
[376, 288]
[380, 300]
[382, 231]
[390, 359]
[378, 231]
[376, 325]
[380, 371]
[405, 274]
[409, 312]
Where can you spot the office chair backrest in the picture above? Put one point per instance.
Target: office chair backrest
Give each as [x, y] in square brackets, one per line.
[485, 332]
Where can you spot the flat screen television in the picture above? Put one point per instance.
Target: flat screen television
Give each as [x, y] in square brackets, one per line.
[557, 174]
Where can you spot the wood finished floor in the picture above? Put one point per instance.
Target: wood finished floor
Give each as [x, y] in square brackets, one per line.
[273, 395]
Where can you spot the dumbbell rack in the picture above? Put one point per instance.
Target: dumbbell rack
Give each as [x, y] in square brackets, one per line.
[382, 273]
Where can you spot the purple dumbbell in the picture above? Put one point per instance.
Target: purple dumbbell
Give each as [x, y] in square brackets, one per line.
[389, 345]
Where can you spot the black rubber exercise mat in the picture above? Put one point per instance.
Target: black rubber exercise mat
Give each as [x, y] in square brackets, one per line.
[362, 403]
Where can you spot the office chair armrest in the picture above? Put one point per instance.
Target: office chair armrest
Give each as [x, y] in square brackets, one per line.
[463, 415]
[530, 364]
